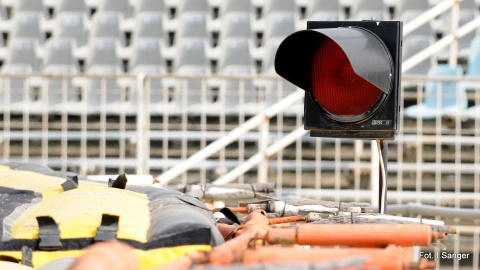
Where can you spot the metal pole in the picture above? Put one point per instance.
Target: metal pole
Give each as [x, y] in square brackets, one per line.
[383, 159]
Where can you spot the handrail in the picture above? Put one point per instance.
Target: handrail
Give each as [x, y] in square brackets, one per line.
[440, 44]
[427, 16]
[233, 135]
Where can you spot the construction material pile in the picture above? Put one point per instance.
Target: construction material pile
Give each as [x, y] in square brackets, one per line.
[54, 220]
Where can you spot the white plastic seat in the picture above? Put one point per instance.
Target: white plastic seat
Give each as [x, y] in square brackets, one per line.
[190, 60]
[273, 6]
[21, 59]
[237, 6]
[71, 6]
[366, 9]
[59, 60]
[279, 25]
[26, 25]
[402, 6]
[71, 25]
[184, 6]
[29, 6]
[97, 93]
[273, 90]
[191, 25]
[146, 59]
[148, 25]
[233, 94]
[118, 6]
[157, 6]
[323, 10]
[107, 25]
[235, 25]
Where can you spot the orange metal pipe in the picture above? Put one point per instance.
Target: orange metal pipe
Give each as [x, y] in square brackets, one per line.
[355, 235]
[238, 209]
[389, 258]
[286, 219]
[256, 226]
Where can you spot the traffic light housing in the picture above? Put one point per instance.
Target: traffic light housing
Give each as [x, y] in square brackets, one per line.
[350, 71]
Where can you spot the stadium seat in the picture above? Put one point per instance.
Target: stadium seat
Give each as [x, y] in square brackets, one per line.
[441, 97]
[323, 10]
[191, 25]
[119, 6]
[190, 60]
[107, 25]
[402, 6]
[366, 9]
[71, 6]
[21, 59]
[279, 25]
[27, 25]
[3, 12]
[148, 25]
[145, 59]
[59, 60]
[71, 25]
[233, 94]
[156, 6]
[236, 25]
[184, 6]
[21, 6]
[237, 6]
[273, 90]
[273, 6]
[98, 92]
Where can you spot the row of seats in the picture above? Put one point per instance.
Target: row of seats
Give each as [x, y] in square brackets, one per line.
[310, 9]
[189, 24]
[74, 14]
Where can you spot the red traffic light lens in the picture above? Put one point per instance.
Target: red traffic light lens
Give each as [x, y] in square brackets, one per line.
[337, 89]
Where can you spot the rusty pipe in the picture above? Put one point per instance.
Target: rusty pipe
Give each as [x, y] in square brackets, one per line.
[290, 219]
[382, 258]
[355, 235]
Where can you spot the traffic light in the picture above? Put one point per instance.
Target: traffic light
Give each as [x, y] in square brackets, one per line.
[350, 71]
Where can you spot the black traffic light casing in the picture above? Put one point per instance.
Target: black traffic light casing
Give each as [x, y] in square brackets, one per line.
[351, 84]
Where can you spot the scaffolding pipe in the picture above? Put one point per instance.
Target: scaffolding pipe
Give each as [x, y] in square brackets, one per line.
[429, 210]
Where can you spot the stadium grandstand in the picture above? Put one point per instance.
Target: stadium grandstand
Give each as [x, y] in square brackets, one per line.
[186, 91]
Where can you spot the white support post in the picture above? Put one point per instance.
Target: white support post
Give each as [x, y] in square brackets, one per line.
[262, 148]
[374, 177]
[454, 17]
[143, 126]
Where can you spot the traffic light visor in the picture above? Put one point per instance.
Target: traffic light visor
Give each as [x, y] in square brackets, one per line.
[348, 71]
